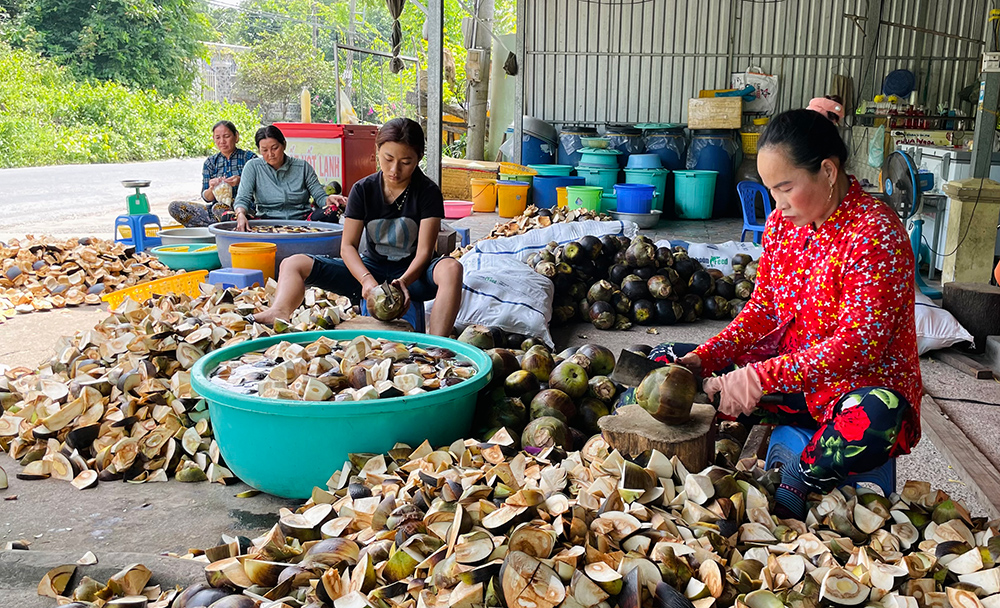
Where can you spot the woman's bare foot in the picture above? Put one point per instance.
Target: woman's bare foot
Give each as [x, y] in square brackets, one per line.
[268, 315]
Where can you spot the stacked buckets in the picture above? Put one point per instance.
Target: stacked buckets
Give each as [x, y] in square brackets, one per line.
[648, 169]
[599, 168]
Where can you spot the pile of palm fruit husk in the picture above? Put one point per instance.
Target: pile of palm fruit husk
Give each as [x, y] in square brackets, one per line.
[43, 273]
[115, 402]
[486, 524]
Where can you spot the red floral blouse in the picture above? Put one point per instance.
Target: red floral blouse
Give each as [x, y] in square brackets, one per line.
[832, 312]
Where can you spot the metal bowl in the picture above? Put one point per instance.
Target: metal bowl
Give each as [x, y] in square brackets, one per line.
[136, 183]
[186, 236]
[643, 220]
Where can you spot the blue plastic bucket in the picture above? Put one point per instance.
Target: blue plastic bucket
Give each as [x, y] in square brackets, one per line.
[656, 178]
[534, 149]
[570, 144]
[716, 150]
[544, 190]
[634, 198]
[694, 193]
[599, 176]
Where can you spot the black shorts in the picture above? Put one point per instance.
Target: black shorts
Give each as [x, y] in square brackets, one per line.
[333, 275]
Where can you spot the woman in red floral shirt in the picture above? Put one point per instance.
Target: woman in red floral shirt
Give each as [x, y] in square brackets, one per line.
[830, 323]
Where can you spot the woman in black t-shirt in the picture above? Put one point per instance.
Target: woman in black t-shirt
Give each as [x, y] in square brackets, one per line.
[399, 211]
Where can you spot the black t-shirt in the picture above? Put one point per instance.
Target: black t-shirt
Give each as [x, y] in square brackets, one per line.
[391, 229]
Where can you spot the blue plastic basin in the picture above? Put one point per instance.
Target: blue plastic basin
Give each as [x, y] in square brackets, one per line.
[286, 448]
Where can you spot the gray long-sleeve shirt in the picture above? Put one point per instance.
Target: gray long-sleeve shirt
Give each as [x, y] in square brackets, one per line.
[279, 194]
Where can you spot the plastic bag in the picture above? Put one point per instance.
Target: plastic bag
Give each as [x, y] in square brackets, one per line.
[936, 328]
[718, 256]
[660, 145]
[765, 89]
[876, 148]
[500, 291]
[521, 246]
[223, 193]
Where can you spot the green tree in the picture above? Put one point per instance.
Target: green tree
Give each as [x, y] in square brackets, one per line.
[278, 66]
[150, 44]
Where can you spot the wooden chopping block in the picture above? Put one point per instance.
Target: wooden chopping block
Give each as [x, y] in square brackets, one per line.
[362, 323]
[632, 431]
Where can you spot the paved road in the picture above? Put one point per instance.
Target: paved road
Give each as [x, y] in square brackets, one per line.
[75, 200]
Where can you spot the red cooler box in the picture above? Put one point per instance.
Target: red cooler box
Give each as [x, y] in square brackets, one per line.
[341, 153]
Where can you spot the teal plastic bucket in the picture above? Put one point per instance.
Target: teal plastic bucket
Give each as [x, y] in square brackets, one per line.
[286, 448]
[609, 202]
[653, 177]
[197, 256]
[596, 176]
[694, 193]
[552, 170]
[597, 157]
[584, 197]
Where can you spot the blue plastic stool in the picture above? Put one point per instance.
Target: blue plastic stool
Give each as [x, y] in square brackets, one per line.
[137, 227]
[415, 315]
[749, 191]
[241, 278]
[464, 235]
[787, 443]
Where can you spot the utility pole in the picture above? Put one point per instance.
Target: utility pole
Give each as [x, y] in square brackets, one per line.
[477, 73]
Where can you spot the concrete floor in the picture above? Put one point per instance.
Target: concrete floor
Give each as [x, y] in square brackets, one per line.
[117, 520]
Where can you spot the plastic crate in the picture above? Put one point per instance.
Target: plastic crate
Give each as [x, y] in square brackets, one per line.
[749, 142]
[516, 169]
[186, 283]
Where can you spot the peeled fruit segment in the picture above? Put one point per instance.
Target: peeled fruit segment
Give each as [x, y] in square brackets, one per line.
[55, 581]
[528, 583]
[842, 589]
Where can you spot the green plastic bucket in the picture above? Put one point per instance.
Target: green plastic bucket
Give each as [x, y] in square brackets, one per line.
[552, 170]
[286, 448]
[609, 202]
[653, 177]
[516, 177]
[600, 177]
[584, 197]
[694, 192]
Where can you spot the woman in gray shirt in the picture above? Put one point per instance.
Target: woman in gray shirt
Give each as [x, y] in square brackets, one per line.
[276, 186]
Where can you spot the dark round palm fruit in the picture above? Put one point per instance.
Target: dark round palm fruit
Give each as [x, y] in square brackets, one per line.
[694, 308]
[668, 312]
[635, 288]
[725, 288]
[646, 272]
[592, 244]
[701, 283]
[616, 273]
[602, 315]
[621, 303]
[664, 257]
[643, 312]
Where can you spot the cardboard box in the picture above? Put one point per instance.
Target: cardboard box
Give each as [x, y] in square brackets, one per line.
[715, 113]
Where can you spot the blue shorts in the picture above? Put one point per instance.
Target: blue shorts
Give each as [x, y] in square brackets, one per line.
[333, 275]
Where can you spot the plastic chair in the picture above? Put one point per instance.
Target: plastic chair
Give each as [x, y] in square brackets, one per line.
[414, 315]
[787, 443]
[135, 227]
[749, 191]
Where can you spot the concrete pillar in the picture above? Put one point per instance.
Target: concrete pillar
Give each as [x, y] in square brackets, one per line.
[972, 230]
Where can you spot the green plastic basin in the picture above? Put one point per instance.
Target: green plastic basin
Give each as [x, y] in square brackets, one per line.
[197, 256]
[286, 448]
